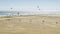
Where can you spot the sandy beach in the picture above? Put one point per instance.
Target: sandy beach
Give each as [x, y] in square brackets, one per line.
[30, 24]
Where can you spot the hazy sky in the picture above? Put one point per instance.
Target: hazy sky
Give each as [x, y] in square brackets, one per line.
[29, 5]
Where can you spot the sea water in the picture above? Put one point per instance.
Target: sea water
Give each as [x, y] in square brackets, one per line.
[2, 13]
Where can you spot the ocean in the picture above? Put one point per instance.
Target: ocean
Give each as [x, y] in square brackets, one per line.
[2, 13]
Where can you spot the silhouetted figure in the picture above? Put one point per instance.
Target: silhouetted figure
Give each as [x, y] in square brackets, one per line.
[11, 8]
[18, 13]
[11, 11]
[38, 7]
[43, 21]
[56, 22]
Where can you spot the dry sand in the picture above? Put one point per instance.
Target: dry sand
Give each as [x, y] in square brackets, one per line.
[33, 24]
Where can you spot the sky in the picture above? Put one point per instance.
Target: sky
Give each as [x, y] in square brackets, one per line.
[30, 5]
